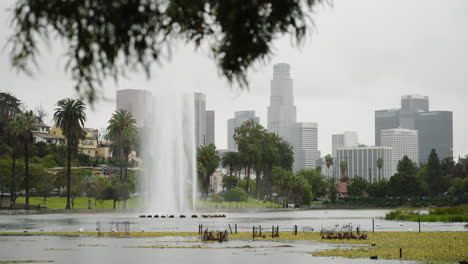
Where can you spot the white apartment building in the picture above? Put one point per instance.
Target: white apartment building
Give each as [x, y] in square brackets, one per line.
[305, 147]
[362, 161]
[403, 142]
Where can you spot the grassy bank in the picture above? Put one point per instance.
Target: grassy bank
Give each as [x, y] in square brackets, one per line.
[444, 214]
[80, 203]
[427, 247]
[251, 203]
[133, 203]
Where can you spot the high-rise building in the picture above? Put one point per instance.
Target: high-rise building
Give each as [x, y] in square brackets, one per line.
[240, 118]
[134, 101]
[305, 147]
[385, 119]
[337, 142]
[411, 105]
[435, 130]
[282, 112]
[362, 161]
[404, 142]
[200, 119]
[348, 139]
[210, 127]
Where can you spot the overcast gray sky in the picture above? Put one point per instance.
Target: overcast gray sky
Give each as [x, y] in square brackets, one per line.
[363, 55]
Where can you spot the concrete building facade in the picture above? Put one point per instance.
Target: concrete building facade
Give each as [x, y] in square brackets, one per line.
[435, 131]
[282, 111]
[348, 139]
[404, 142]
[305, 147]
[210, 127]
[362, 161]
[200, 119]
[435, 128]
[135, 101]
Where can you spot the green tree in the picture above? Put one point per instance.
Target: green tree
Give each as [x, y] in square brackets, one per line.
[15, 130]
[208, 159]
[235, 194]
[329, 163]
[308, 196]
[459, 187]
[316, 180]
[407, 182]
[229, 160]
[437, 182]
[378, 188]
[247, 137]
[380, 163]
[357, 187]
[123, 133]
[229, 181]
[27, 138]
[70, 117]
[344, 168]
[332, 190]
[100, 44]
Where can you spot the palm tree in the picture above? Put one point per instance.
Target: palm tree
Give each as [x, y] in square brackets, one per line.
[343, 168]
[329, 163]
[15, 127]
[228, 160]
[122, 132]
[70, 117]
[379, 165]
[28, 119]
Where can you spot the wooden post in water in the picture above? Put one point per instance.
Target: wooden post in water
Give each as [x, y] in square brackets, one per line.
[260, 229]
[235, 228]
[230, 229]
[277, 230]
[272, 231]
[295, 230]
[253, 231]
[372, 225]
[401, 252]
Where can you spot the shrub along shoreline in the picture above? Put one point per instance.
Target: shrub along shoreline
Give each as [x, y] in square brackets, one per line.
[444, 214]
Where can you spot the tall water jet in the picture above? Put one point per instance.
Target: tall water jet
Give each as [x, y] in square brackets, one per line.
[169, 155]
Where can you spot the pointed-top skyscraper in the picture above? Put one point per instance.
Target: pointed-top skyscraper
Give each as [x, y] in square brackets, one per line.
[282, 111]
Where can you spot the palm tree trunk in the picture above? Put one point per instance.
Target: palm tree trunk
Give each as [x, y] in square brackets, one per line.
[126, 177]
[247, 185]
[68, 177]
[26, 179]
[257, 182]
[13, 171]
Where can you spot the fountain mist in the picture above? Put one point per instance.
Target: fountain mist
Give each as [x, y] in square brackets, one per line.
[169, 154]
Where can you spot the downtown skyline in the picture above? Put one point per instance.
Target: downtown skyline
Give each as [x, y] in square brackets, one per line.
[339, 87]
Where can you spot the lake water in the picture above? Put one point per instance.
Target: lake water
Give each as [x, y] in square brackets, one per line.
[131, 250]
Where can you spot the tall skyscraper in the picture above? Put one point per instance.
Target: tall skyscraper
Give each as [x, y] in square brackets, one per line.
[346, 140]
[404, 142]
[282, 112]
[134, 101]
[200, 119]
[337, 142]
[210, 127]
[435, 130]
[306, 153]
[362, 161]
[240, 118]
[411, 105]
[385, 119]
